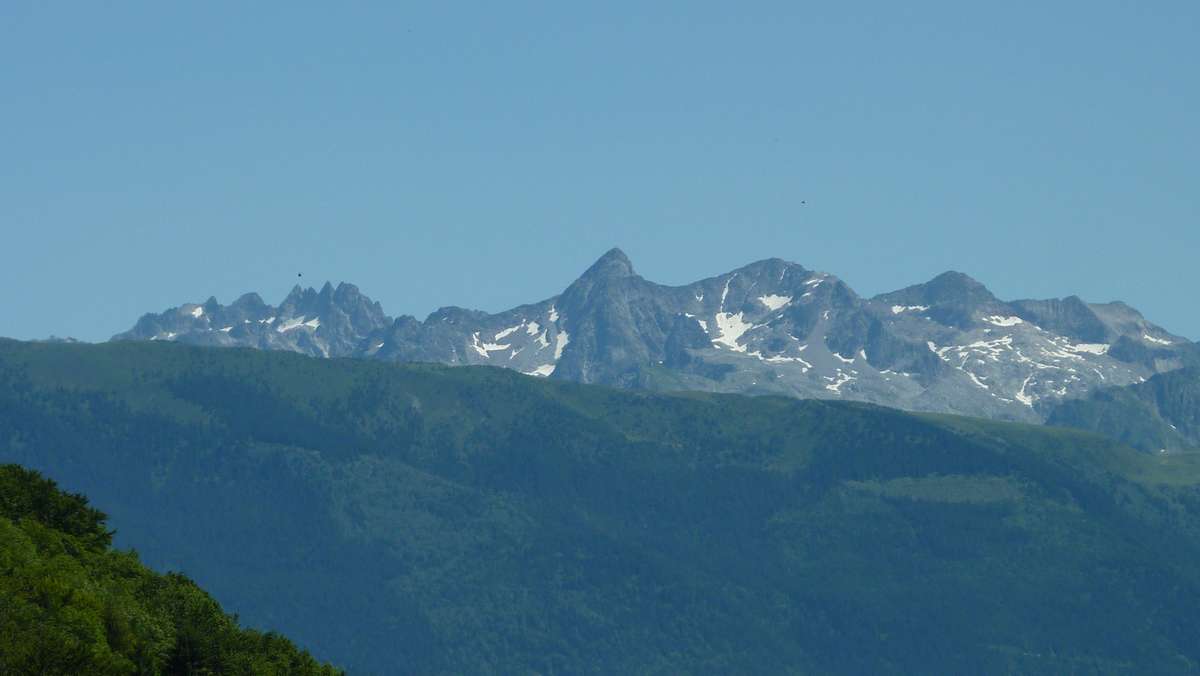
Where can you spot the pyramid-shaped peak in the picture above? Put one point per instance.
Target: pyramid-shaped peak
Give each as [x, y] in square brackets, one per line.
[948, 288]
[297, 296]
[251, 303]
[349, 293]
[614, 263]
[956, 287]
[954, 278]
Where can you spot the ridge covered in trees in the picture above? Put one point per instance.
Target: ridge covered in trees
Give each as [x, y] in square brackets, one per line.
[428, 519]
[70, 604]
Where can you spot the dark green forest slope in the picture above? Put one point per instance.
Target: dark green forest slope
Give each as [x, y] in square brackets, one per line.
[71, 605]
[1162, 413]
[427, 519]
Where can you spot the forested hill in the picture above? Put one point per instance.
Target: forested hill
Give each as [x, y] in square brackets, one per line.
[71, 605]
[430, 519]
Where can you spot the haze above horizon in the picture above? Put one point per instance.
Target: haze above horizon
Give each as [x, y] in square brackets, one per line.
[152, 155]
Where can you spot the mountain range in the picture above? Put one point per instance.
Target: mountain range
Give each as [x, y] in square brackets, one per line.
[771, 327]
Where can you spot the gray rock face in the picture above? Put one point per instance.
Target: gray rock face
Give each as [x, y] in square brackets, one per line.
[771, 327]
[1160, 415]
[329, 323]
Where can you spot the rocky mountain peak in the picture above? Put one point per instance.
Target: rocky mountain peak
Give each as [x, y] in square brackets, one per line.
[952, 298]
[776, 273]
[346, 291]
[953, 287]
[250, 302]
[613, 264]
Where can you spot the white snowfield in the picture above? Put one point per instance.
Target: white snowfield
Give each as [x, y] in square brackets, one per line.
[725, 291]
[1003, 321]
[774, 302]
[506, 332]
[543, 371]
[731, 327]
[297, 322]
[561, 340]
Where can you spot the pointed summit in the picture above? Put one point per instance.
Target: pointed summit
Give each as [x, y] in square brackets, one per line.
[948, 288]
[296, 300]
[775, 273]
[614, 263]
[952, 298]
[251, 301]
[957, 287]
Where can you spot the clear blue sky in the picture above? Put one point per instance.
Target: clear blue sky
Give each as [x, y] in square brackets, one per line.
[483, 154]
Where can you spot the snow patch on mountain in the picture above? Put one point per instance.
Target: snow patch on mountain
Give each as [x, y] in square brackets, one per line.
[543, 371]
[835, 384]
[290, 324]
[730, 328]
[781, 359]
[507, 332]
[725, 291]
[485, 349]
[774, 302]
[561, 340]
[997, 320]
[1024, 398]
